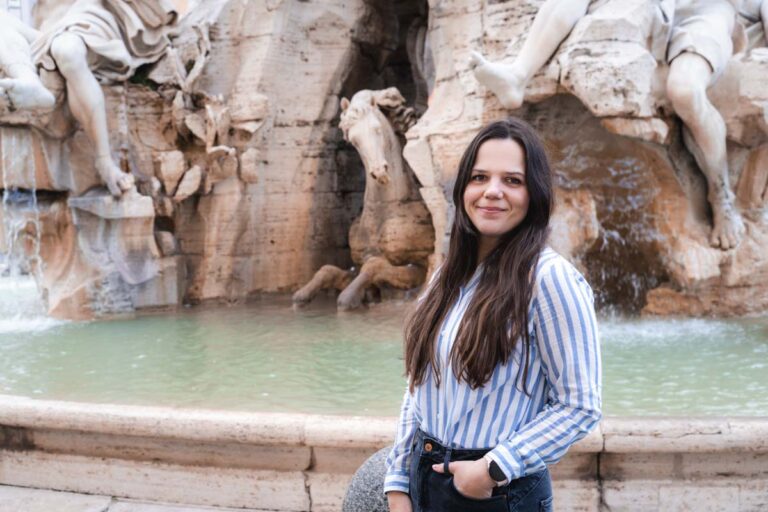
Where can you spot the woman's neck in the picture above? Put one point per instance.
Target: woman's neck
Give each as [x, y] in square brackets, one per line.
[485, 246]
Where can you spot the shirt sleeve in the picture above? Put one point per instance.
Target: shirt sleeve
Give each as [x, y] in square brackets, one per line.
[565, 331]
[398, 461]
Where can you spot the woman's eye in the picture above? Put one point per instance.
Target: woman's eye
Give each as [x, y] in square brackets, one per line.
[515, 181]
[478, 177]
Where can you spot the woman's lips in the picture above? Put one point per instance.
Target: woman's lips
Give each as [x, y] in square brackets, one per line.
[490, 209]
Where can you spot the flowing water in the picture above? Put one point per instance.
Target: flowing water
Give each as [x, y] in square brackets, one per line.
[267, 357]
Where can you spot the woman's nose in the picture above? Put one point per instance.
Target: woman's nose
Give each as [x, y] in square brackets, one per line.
[493, 189]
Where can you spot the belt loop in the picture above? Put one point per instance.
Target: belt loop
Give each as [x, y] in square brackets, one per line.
[447, 460]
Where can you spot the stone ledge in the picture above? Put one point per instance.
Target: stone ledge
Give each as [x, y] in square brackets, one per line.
[292, 462]
[613, 435]
[663, 434]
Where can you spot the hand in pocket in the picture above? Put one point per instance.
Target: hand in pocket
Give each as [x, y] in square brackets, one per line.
[470, 478]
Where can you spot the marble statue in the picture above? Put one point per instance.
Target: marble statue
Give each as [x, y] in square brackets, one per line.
[393, 236]
[754, 14]
[698, 36]
[552, 24]
[699, 49]
[20, 84]
[94, 41]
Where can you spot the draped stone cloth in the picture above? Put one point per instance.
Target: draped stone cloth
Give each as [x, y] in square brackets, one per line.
[120, 35]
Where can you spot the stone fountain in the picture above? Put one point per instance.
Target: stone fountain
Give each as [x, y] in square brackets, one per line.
[210, 178]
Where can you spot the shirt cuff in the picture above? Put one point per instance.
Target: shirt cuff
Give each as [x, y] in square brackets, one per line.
[396, 482]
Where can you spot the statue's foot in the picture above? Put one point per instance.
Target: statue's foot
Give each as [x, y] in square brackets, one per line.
[116, 180]
[505, 81]
[27, 93]
[303, 296]
[728, 229]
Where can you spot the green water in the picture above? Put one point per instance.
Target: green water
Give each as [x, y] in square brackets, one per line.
[268, 357]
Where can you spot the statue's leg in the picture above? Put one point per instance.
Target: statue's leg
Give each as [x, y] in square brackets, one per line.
[550, 27]
[86, 101]
[377, 271]
[689, 77]
[21, 83]
[329, 276]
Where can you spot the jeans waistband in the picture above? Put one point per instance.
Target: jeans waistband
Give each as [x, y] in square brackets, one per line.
[433, 447]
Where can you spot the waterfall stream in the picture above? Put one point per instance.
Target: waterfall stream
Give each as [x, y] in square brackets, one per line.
[22, 307]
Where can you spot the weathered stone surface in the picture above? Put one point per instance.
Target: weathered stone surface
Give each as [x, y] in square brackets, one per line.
[621, 143]
[190, 183]
[249, 166]
[290, 212]
[574, 223]
[166, 242]
[752, 188]
[650, 129]
[709, 498]
[138, 506]
[187, 459]
[326, 490]
[17, 499]
[169, 169]
[227, 487]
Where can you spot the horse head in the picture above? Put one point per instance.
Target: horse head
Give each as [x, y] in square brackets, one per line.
[369, 130]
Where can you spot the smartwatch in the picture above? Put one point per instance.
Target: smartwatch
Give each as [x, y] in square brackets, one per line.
[495, 472]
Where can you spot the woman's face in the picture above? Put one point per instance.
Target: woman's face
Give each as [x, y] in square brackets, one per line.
[496, 198]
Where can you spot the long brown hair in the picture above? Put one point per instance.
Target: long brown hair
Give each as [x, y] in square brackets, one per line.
[497, 316]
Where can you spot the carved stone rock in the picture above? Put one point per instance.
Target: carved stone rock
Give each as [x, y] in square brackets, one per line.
[190, 183]
[170, 168]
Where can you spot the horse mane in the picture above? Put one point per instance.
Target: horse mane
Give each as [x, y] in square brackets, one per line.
[401, 117]
[389, 101]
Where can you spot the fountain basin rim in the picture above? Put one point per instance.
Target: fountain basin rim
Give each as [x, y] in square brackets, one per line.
[614, 434]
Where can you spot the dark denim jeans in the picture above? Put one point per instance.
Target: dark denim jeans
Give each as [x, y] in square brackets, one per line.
[434, 492]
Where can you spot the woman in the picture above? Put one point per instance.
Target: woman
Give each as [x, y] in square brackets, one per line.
[501, 353]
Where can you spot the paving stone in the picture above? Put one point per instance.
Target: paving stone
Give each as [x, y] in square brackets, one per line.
[140, 506]
[22, 499]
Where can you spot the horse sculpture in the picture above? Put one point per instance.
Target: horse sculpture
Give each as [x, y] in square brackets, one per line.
[393, 236]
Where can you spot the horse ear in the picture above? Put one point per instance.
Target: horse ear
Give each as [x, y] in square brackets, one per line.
[390, 98]
[344, 104]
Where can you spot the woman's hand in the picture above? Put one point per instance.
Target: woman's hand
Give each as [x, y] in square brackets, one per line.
[470, 478]
[399, 502]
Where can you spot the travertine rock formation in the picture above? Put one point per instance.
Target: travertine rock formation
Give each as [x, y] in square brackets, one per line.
[241, 169]
[601, 105]
[234, 139]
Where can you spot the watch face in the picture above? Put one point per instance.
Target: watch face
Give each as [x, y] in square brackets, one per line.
[496, 473]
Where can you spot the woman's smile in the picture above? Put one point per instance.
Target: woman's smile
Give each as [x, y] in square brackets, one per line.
[496, 197]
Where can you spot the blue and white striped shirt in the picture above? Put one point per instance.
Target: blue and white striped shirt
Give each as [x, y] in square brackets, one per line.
[526, 431]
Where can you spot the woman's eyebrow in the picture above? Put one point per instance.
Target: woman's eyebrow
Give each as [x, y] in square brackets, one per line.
[522, 173]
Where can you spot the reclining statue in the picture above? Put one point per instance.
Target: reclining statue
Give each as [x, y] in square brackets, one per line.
[699, 45]
[95, 41]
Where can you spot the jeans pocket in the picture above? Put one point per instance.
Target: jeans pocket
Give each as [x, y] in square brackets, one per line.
[459, 501]
[452, 484]
[547, 505]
